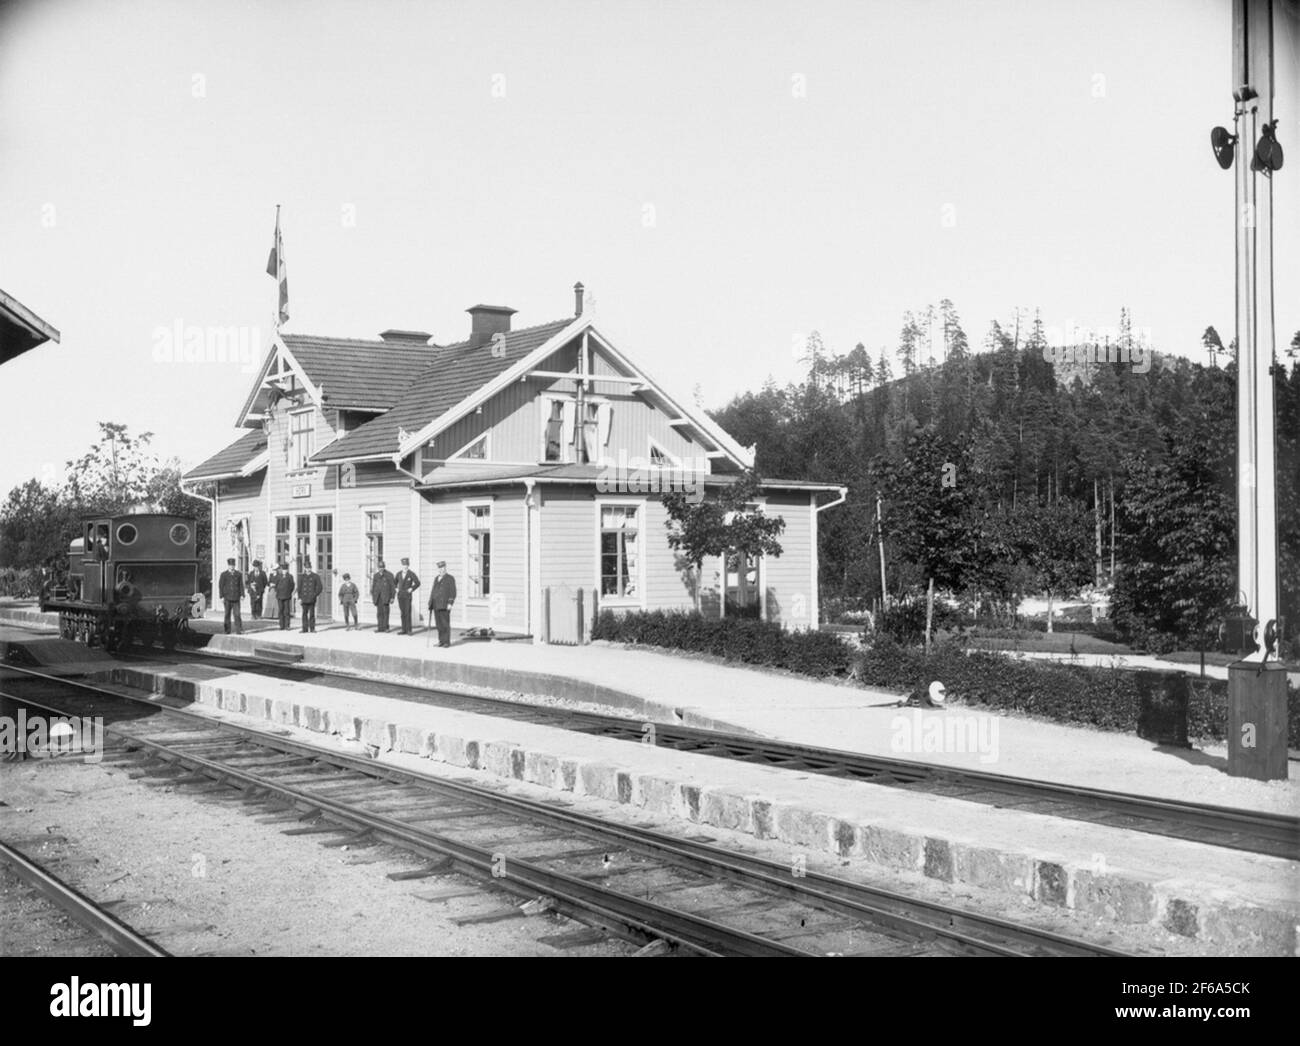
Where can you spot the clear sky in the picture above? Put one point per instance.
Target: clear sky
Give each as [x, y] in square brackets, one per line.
[723, 176]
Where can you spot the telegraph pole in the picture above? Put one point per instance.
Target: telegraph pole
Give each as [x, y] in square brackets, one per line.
[1257, 709]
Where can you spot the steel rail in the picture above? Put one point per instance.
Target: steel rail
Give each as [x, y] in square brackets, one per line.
[970, 932]
[1237, 828]
[82, 910]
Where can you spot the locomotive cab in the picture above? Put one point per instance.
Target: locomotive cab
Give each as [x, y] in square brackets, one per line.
[128, 576]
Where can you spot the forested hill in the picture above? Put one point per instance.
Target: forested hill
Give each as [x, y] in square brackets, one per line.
[1144, 456]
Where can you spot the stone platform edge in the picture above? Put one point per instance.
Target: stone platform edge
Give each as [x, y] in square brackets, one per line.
[27, 616]
[449, 673]
[457, 673]
[1174, 905]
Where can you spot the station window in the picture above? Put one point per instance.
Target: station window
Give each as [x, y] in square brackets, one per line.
[374, 540]
[302, 438]
[476, 451]
[479, 550]
[619, 551]
[281, 540]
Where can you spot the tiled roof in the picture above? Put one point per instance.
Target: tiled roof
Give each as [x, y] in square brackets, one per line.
[356, 373]
[231, 461]
[456, 371]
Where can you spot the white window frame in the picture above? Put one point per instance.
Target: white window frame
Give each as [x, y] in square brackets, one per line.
[275, 535]
[246, 519]
[759, 502]
[294, 464]
[639, 600]
[465, 505]
[545, 415]
[673, 461]
[365, 534]
[483, 437]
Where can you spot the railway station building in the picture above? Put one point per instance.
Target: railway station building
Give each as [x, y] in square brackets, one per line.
[532, 460]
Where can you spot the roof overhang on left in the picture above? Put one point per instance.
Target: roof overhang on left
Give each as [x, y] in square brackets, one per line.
[21, 329]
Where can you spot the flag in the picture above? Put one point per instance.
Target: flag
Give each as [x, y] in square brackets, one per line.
[275, 267]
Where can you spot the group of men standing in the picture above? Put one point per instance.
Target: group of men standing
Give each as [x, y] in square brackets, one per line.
[383, 587]
[442, 595]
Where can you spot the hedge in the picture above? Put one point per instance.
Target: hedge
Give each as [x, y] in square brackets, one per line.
[1107, 698]
[745, 640]
[1103, 697]
[20, 583]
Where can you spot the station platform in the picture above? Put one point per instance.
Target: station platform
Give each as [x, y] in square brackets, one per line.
[1196, 894]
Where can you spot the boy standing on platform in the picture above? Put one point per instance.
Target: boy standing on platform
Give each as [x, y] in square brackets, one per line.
[348, 596]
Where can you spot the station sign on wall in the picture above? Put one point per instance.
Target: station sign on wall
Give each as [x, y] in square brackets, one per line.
[302, 490]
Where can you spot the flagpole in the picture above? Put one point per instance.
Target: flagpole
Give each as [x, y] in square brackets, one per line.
[279, 262]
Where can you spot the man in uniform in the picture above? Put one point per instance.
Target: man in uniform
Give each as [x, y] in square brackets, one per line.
[309, 588]
[256, 588]
[382, 589]
[231, 587]
[283, 585]
[407, 582]
[442, 594]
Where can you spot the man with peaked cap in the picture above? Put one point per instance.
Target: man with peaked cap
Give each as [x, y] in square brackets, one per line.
[407, 582]
[283, 584]
[442, 594]
[231, 587]
[382, 589]
[309, 590]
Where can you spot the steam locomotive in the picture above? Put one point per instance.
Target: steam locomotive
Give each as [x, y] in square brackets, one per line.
[129, 578]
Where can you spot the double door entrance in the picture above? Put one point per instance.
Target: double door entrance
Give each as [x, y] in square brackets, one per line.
[309, 535]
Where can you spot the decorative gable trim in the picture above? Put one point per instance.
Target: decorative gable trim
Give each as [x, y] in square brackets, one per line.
[486, 392]
[742, 456]
[280, 364]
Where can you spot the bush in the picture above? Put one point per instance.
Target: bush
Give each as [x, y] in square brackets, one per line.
[904, 621]
[745, 640]
[1101, 697]
[20, 583]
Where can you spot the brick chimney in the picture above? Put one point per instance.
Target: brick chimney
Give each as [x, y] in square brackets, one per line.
[487, 320]
[577, 298]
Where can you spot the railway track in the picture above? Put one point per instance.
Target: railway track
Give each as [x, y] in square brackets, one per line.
[632, 882]
[1275, 835]
[77, 906]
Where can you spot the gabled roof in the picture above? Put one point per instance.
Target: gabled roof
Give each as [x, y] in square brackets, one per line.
[359, 374]
[20, 328]
[238, 459]
[456, 371]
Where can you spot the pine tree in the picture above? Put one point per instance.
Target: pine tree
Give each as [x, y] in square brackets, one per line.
[1213, 344]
